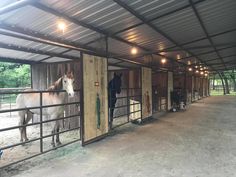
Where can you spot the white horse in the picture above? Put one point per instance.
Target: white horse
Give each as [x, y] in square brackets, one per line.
[27, 100]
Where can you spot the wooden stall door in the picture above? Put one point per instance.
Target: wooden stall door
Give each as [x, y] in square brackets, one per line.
[146, 92]
[95, 96]
[170, 88]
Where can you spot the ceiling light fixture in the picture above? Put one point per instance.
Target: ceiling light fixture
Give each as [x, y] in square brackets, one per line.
[163, 60]
[134, 51]
[61, 26]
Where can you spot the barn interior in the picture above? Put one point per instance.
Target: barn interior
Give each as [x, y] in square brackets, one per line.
[168, 54]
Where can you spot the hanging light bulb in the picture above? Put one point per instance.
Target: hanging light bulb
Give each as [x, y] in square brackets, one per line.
[178, 56]
[61, 26]
[201, 72]
[134, 51]
[197, 71]
[190, 69]
[206, 74]
[163, 60]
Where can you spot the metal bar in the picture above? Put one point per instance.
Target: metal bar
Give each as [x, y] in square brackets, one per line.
[37, 107]
[82, 125]
[41, 124]
[14, 6]
[34, 91]
[35, 51]
[37, 123]
[120, 125]
[122, 115]
[126, 105]
[18, 144]
[15, 60]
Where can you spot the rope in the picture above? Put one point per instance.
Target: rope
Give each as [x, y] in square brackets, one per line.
[1, 152]
[98, 106]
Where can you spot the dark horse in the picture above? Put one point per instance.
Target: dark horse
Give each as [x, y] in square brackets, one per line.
[114, 87]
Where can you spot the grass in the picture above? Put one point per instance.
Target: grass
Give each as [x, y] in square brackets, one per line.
[220, 92]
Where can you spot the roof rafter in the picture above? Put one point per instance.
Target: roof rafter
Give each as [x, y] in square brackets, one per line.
[35, 51]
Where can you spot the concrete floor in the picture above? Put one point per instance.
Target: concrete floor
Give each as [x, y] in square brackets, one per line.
[199, 142]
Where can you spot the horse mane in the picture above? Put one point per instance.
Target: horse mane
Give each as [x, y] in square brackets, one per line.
[55, 86]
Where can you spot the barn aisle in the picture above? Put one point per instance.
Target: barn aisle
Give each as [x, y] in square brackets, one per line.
[199, 142]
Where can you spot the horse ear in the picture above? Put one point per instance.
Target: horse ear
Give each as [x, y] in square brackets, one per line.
[115, 75]
[120, 74]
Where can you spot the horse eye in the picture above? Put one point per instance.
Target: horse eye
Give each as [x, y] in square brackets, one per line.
[64, 81]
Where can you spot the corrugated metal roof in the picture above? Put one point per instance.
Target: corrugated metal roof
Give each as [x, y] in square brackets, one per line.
[227, 39]
[4, 3]
[20, 55]
[107, 17]
[147, 37]
[153, 8]
[181, 26]
[209, 56]
[227, 52]
[104, 14]
[218, 15]
[46, 23]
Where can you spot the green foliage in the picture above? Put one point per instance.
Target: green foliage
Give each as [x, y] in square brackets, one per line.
[14, 75]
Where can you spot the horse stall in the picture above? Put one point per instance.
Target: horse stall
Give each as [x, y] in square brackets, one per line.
[43, 112]
[125, 99]
[179, 91]
[159, 91]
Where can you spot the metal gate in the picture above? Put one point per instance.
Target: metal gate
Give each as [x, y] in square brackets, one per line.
[39, 133]
[128, 107]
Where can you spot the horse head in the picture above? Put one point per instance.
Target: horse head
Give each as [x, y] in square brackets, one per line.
[68, 83]
[117, 83]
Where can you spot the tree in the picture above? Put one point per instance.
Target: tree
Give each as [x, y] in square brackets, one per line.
[14, 75]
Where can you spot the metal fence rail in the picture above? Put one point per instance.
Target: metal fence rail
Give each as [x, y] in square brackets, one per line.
[40, 123]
